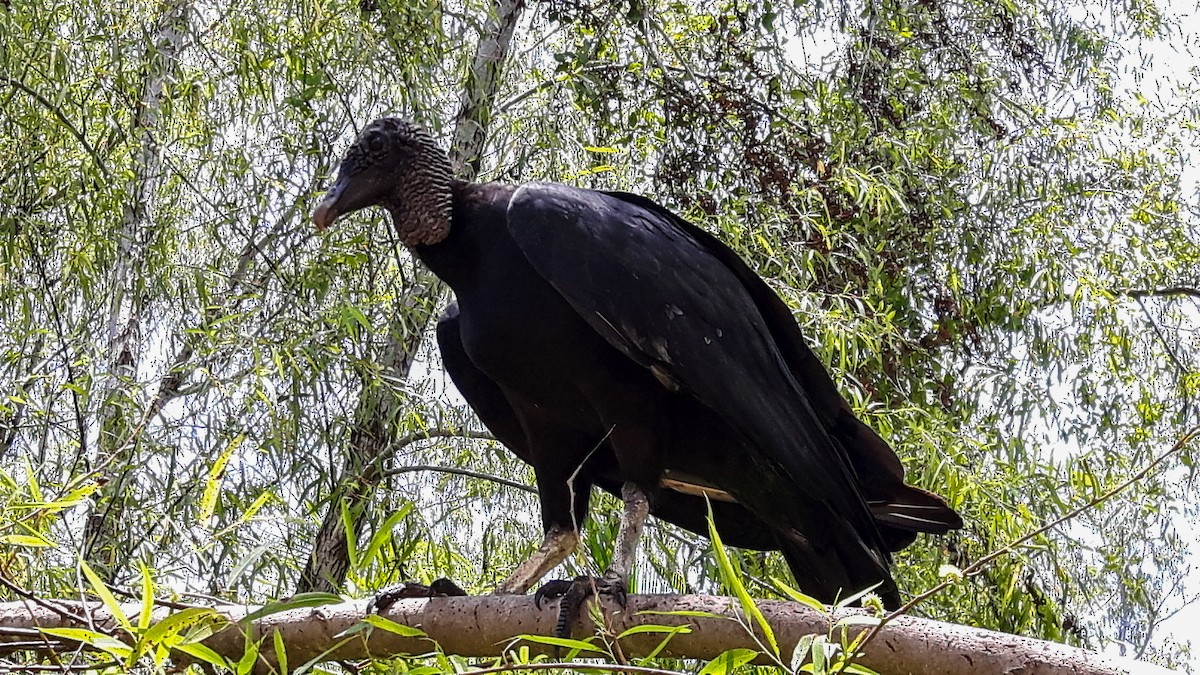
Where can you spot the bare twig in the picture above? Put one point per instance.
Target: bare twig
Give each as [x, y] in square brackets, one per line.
[978, 566]
[62, 118]
[460, 472]
[32, 597]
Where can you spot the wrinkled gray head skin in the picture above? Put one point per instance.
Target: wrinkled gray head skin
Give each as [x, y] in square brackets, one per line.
[397, 165]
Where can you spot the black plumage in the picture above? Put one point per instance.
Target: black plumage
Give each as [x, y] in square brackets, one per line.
[608, 342]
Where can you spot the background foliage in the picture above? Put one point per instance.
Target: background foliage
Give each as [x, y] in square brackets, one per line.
[983, 213]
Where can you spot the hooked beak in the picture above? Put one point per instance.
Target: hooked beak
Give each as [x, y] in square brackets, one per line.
[329, 210]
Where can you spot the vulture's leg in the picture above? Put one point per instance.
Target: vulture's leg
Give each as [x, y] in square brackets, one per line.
[556, 546]
[615, 582]
[564, 501]
[629, 535]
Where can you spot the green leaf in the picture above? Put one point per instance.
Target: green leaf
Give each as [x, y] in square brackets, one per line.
[204, 653]
[35, 491]
[734, 582]
[147, 598]
[348, 528]
[946, 570]
[851, 599]
[280, 650]
[806, 600]
[390, 626]
[294, 602]
[727, 661]
[684, 612]
[818, 654]
[638, 630]
[105, 643]
[800, 653]
[669, 631]
[856, 669]
[567, 643]
[245, 665]
[106, 596]
[384, 534]
[249, 513]
[170, 629]
[212, 485]
[26, 540]
[246, 563]
[859, 620]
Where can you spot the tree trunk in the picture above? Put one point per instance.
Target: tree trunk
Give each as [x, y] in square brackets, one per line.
[378, 408]
[375, 427]
[486, 626]
[116, 439]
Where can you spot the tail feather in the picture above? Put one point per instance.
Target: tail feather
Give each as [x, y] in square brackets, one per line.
[900, 510]
[915, 510]
[835, 569]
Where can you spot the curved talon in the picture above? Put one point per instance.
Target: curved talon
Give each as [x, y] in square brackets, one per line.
[445, 588]
[440, 588]
[551, 590]
[573, 593]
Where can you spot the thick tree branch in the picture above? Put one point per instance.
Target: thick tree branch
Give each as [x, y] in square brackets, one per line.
[487, 625]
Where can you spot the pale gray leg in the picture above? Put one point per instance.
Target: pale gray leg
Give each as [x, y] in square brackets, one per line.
[556, 546]
[629, 535]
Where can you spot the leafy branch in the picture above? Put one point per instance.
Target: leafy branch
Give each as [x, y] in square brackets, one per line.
[978, 566]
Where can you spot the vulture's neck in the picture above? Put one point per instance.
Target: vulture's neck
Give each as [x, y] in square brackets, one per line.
[478, 227]
[423, 205]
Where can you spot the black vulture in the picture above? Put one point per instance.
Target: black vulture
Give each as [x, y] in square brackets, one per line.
[608, 342]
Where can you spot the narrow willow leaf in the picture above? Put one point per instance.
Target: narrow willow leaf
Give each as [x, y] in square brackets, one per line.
[806, 600]
[171, 628]
[280, 650]
[212, 484]
[106, 596]
[800, 653]
[568, 643]
[147, 598]
[25, 540]
[349, 529]
[100, 641]
[734, 582]
[384, 534]
[726, 662]
[637, 630]
[390, 626]
[294, 602]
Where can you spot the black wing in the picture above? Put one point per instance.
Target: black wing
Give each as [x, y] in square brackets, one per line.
[485, 396]
[659, 293]
[738, 527]
[900, 510]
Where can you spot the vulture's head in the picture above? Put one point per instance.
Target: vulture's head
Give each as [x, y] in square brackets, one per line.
[397, 165]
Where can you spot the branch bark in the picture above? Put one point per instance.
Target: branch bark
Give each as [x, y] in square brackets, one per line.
[486, 626]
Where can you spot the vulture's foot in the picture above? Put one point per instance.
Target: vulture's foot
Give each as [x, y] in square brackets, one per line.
[572, 594]
[440, 588]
